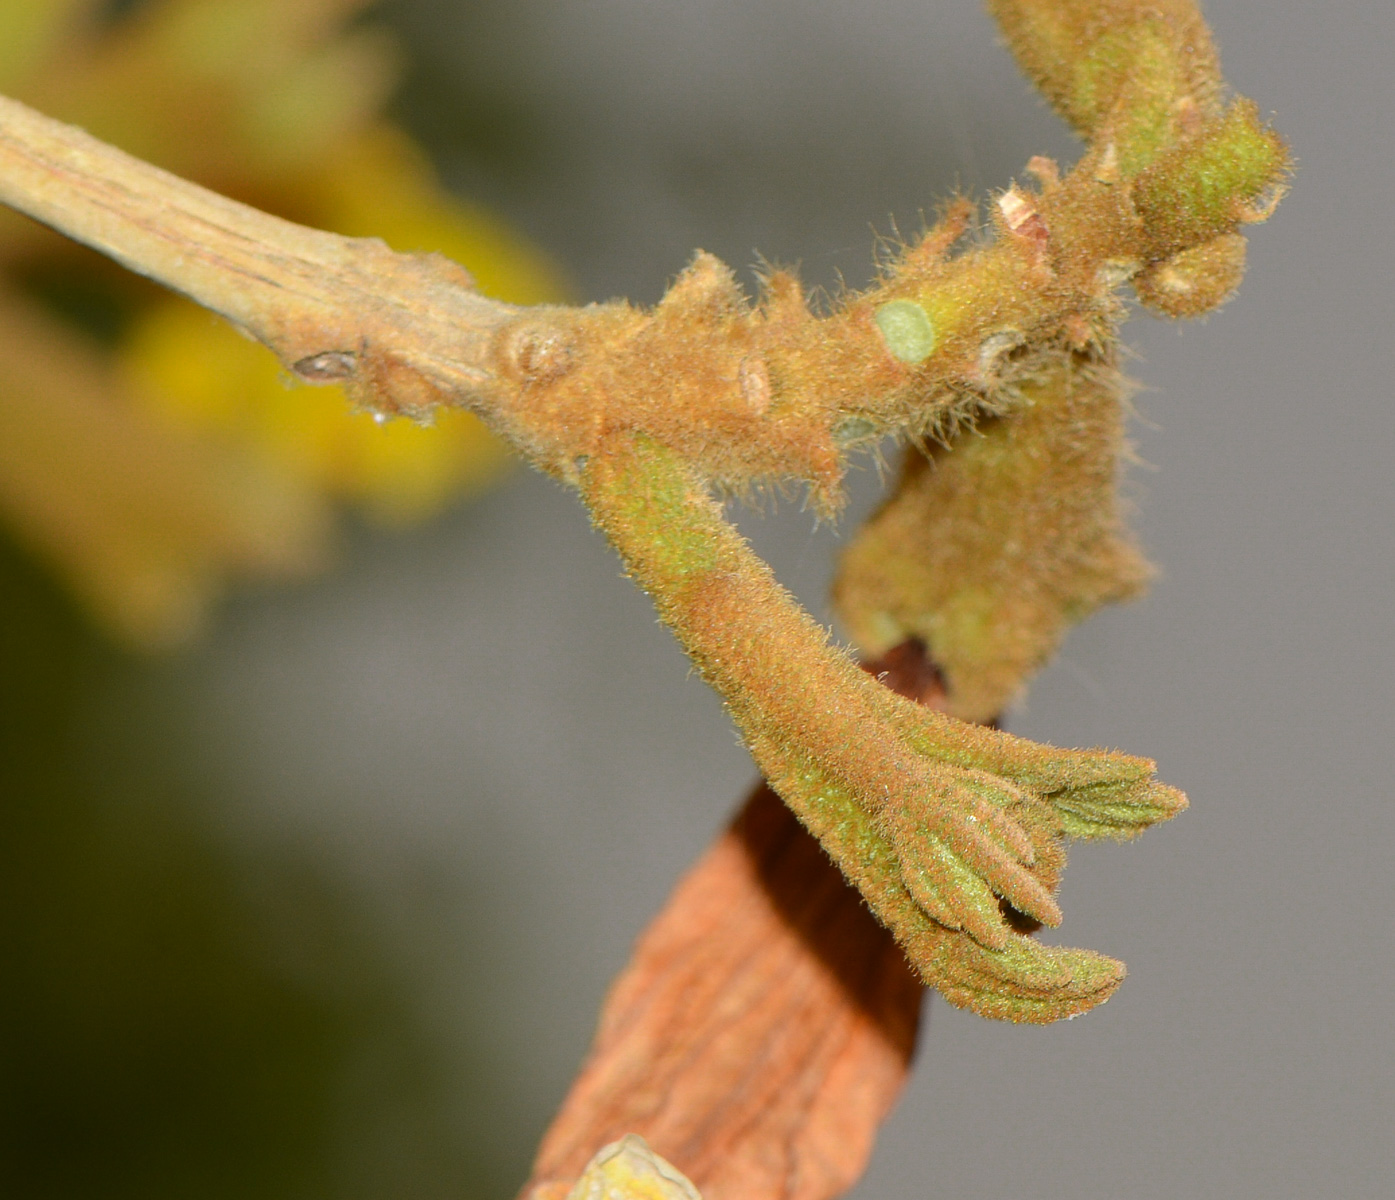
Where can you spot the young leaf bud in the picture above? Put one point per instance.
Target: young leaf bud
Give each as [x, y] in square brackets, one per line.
[1195, 281]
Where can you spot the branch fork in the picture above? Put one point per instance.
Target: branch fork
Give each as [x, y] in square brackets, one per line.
[998, 361]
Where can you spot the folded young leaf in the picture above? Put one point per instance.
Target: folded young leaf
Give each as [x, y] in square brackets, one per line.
[1017, 979]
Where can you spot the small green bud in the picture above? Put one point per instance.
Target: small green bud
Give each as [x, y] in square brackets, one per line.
[907, 329]
[1207, 185]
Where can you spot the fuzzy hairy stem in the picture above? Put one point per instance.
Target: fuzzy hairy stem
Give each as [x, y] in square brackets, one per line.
[645, 412]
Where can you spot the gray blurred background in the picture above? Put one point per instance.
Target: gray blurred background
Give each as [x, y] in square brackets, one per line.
[483, 749]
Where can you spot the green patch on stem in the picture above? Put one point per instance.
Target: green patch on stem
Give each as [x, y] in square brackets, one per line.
[907, 330]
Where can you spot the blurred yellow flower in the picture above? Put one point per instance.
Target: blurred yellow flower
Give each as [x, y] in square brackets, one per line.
[152, 467]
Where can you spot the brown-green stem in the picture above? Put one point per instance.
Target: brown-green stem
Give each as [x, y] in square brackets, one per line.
[646, 412]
